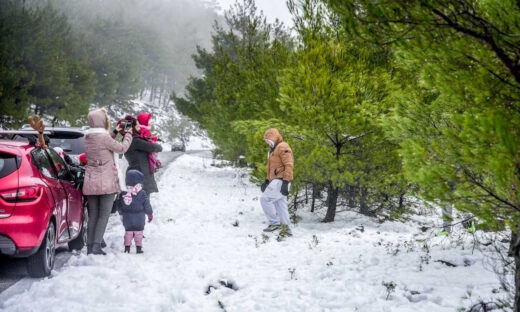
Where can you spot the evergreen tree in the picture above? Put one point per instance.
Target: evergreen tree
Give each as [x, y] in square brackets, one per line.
[239, 77]
[38, 65]
[334, 94]
[457, 85]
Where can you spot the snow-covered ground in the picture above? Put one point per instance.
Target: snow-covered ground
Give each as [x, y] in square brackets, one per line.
[207, 228]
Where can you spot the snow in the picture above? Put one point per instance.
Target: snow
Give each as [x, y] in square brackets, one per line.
[198, 142]
[192, 244]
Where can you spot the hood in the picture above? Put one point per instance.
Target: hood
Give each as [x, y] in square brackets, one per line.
[144, 118]
[134, 177]
[273, 135]
[98, 119]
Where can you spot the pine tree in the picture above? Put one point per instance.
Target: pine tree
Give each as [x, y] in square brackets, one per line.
[239, 77]
[457, 88]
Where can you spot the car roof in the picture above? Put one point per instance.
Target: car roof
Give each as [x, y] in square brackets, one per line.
[65, 129]
[11, 143]
[57, 132]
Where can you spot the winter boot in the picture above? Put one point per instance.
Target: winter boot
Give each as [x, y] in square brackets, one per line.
[139, 249]
[89, 249]
[103, 244]
[285, 231]
[127, 249]
[271, 228]
[96, 249]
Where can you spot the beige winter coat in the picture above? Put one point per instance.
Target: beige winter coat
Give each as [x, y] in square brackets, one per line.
[280, 162]
[101, 172]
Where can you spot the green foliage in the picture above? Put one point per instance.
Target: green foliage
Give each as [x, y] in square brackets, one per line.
[239, 77]
[457, 98]
[58, 57]
[325, 95]
[38, 66]
[335, 94]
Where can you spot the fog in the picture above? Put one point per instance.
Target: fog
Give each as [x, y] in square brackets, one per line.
[272, 9]
[176, 27]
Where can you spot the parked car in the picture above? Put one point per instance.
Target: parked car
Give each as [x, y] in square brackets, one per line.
[178, 146]
[68, 139]
[41, 204]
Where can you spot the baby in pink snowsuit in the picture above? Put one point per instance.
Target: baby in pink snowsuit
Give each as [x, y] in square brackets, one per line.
[146, 133]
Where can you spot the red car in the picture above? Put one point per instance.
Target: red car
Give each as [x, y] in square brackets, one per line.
[41, 204]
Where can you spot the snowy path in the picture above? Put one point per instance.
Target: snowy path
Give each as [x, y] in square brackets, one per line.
[192, 244]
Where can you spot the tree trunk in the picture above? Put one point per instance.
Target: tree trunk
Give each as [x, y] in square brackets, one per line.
[151, 93]
[401, 202]
[306, 194]
[351, 191]
[514, 251]
[447, 217]
[332, 200]
[517, 283]
[296, 200]
[363, 207]
[166, 99]
[314, 195]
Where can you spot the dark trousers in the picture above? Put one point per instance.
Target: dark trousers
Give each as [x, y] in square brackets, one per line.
[99, 207]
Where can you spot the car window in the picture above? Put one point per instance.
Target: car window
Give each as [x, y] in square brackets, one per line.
[8, 164]
[71, 145]
[59, 165]
[42, 161]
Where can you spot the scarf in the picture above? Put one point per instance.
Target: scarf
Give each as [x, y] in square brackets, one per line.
[131, 191]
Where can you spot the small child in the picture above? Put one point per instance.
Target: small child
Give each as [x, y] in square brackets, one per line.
[146, 133]
[132, 205]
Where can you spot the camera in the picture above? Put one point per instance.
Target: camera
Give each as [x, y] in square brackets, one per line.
[125, 125]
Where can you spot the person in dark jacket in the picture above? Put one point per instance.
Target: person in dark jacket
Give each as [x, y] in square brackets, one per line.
[137, 157]
[133, 204]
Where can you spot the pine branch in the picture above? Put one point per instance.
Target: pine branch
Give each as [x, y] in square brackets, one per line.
[485, 37]
[475, 181]
[502, 79]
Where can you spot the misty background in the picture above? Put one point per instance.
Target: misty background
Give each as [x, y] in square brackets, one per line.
[170, 31]
[60, 58]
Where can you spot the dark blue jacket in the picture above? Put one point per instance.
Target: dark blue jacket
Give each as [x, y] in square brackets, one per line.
[134, 205]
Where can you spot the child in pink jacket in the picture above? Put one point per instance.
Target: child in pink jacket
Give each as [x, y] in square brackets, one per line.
[146, 133]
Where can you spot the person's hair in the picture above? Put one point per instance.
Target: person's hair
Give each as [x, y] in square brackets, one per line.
[133, 120]
[107, 117]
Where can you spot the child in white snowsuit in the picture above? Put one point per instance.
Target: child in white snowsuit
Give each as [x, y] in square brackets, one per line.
[133, 205]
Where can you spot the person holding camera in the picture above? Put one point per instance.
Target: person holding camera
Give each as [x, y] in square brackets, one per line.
[138, 155]
[101, 182]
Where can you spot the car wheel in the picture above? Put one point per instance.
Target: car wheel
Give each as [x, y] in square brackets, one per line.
[42, 262]
[79, 242]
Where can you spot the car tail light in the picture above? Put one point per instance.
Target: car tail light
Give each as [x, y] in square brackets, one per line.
[24, 194]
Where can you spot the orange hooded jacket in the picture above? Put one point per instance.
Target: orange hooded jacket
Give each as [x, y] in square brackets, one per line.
[280, 162]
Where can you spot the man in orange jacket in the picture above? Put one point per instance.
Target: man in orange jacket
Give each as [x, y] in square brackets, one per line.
[280, 163]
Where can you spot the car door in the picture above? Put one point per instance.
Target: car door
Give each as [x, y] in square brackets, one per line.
[74, 197]
[50, 177]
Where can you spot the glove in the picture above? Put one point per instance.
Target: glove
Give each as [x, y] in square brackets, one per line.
[285, 188]
[150, 218]
[264, 185]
